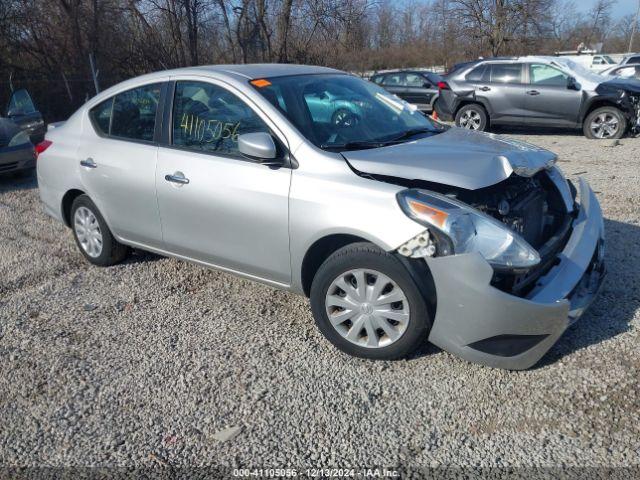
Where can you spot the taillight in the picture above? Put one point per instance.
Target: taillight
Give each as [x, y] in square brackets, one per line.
[42, 146]
[443, 86]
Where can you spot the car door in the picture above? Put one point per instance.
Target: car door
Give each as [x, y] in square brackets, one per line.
[23, 112]
[218, 207]
[501, 88]
[418, 90]
[117, 162]
[550, 100]
[395, 83]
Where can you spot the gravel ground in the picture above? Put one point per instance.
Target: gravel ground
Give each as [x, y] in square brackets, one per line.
[149, 362]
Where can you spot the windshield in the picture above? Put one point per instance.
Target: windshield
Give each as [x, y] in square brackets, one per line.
[578, 70]
[342, 112]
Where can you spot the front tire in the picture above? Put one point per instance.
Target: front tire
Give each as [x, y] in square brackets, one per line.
[472, 117]
[365, 302]
[605, 123]
[93, 237]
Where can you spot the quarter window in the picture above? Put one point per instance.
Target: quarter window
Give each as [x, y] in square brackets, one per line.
[209, 118]
[506, 73]
[101, 116]
[546, 75]
[134, 113]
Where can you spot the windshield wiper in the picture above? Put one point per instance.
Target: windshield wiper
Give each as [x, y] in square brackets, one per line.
[410, 133]
[359, 145]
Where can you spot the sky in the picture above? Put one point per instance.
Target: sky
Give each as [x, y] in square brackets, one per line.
[622, 7]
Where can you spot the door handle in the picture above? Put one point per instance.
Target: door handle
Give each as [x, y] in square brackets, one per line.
[89, 163]
[485, 89]
[533, 92]
[178, 178]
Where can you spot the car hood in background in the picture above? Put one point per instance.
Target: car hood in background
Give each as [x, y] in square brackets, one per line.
[8, 130]
[457, 157]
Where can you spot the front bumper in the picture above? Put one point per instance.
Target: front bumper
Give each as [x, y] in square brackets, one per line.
[482, 324]
[13, 159]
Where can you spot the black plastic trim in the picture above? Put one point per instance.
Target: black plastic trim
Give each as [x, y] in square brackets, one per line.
[507, 345]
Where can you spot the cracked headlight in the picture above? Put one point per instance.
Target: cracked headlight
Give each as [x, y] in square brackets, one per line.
[19, 138]
[459, 228]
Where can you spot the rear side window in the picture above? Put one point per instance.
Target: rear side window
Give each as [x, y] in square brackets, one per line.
[209, 118]
[134, 113]
[477, 74]
[506, 72]
[394, 80]
[100, 116]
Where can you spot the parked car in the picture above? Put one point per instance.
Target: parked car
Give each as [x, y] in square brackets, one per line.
[630, 58]
[629, 70]
[596, 63]
[540, 91]
[16, 150]
[419, 88]
[398, 228]
[23, 112]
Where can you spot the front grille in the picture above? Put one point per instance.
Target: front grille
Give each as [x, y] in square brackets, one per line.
[5, 167]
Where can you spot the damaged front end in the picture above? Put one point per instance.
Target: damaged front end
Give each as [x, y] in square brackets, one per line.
[505, 315]
[625, 93]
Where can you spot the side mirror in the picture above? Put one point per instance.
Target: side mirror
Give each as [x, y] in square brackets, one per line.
[259, 147]
[572, 84]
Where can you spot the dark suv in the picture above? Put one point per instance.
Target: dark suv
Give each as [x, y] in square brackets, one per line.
[417, 87]
[540, 91]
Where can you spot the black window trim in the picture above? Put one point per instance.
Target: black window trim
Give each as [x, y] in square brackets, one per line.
[166, 136]
[157, 128]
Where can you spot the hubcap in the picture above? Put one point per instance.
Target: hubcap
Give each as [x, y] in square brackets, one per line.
[367, 308]
[470, 119]
[87, 229]
[604, 125]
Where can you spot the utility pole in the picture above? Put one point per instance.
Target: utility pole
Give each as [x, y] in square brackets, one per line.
[94, 72]
[634, 27]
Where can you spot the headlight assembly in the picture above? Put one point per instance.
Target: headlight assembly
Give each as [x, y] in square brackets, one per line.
[19, 138]
[459, 228]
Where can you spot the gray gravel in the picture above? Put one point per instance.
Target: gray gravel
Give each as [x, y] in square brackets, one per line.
[160, 362]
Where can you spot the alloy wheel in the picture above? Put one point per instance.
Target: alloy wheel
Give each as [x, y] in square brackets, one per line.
[87, 229]
[605, 125]
[367, 308]
[470, 119]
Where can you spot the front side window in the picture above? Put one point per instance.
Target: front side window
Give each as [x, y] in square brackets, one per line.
[546, 75]
[134, 113]
[209, 118]
[506, 73]
[414, 80]
[342, 112]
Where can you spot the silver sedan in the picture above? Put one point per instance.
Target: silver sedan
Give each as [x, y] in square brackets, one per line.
[398, 228]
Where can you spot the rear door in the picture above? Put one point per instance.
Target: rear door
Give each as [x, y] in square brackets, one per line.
[419, 91]
[549, 101]
[117, 162]
[502, 88]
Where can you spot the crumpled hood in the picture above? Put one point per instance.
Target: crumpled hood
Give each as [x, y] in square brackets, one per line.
[457, 157]
[8, 129]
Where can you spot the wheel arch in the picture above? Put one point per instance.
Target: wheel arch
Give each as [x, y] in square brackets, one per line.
[319, 251]
[473, 101]
[67, 201]
[598, 103]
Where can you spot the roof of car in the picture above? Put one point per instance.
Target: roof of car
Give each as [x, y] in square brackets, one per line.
[261, 70]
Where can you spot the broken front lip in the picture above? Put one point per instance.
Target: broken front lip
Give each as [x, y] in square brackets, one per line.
[470, 310]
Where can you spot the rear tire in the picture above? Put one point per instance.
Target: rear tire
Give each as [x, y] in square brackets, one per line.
[472, 117]
[387, 318]
[605, 123]
[93, 237]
